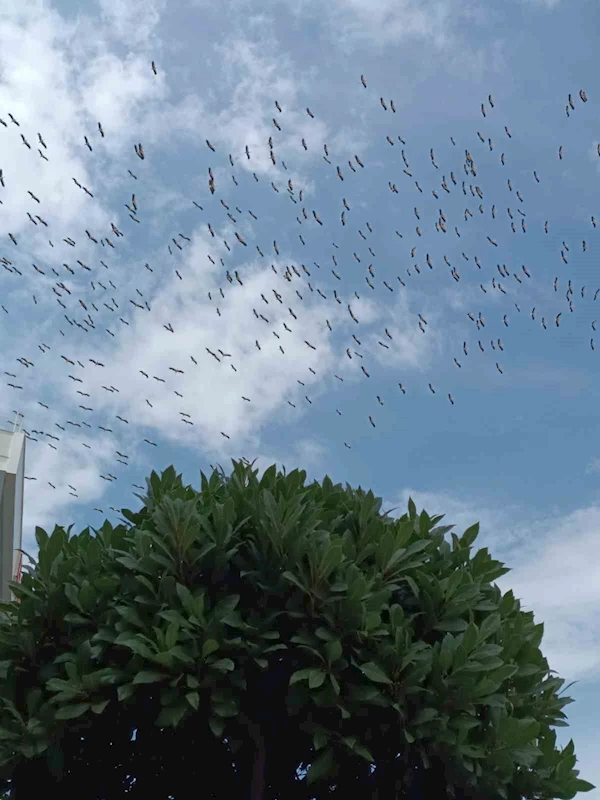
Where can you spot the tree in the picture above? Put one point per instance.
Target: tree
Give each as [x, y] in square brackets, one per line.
[265, 638]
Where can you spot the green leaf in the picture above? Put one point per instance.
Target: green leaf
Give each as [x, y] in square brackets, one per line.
[453, 582]
[470, 535]
[224, 665]
[124, 691]
[362, 751]
[445, 659]
[494, 701]
[185, 596]
[291, 578]
[193, 699]
[54, 545]
[303, 638]
[275, 647]
[470, 637]
[60, 685]
[217, 726]
[483, 666]
[374, 673]
[209, 646]
[300, 675]
[487, 651]
[316, 678]
[270, 635]
[226, 708]
[460, 658]
[171, 716]
[489, 626]
[127, 639]
[486, 605]
[132, 564]
[41, 536]
[73, 711]
[413, 585]
[472, 752]
[412, 509]
[527, 755]
[583, 786]
[321, 767]
[226, 606]
[504, 673]
[146, 583]
[20, 590]
[528, 669]
[332, 559]
[453, 624]
[172, 635]
[424, 715]
[147, 676]
[320, 738]
[333, 650]
[518, 732]
[130, 515]
[98, 708]
[507, 604]
[76, 619]
[404, 554]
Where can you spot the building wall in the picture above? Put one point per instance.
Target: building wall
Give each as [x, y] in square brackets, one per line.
[18, 523]
[12, 465]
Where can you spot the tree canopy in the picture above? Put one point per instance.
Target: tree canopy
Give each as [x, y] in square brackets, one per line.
[266, 638]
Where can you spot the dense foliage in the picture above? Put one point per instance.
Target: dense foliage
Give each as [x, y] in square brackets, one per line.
[264, 638]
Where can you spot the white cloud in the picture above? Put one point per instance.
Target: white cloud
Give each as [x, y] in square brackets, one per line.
[594, 465]
[44, 88]
[559, 578]
[213, 386]
[72, 464]
[257, 76]
[386, 20]
[547, 4]
[132, 21]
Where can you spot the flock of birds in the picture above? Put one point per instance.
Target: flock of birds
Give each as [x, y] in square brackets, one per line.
[86, 292]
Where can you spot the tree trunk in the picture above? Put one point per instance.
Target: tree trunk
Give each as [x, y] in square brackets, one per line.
[256, 789]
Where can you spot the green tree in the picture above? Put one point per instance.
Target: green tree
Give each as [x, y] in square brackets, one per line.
[265, 638]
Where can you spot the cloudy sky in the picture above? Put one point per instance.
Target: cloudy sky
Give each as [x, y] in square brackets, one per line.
[385, 322]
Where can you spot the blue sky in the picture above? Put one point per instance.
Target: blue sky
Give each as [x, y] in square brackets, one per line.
[518, 449]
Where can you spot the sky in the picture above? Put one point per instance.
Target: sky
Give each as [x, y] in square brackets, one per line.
[371, 344]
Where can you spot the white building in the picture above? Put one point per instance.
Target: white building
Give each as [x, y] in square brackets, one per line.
[12, 479]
